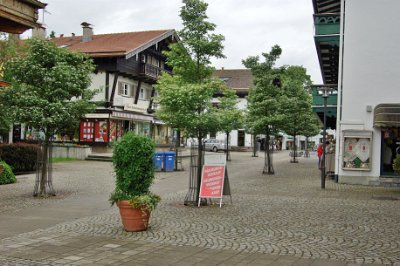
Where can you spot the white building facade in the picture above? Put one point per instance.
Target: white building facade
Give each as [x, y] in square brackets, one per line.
[368, 113]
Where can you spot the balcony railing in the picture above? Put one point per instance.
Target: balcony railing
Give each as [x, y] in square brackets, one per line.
[327, 24]
[152, 71]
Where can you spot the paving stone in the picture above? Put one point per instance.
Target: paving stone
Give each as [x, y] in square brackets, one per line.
[286, 216]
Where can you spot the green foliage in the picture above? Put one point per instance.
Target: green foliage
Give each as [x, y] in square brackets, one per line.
[186, 98]
[21, 156]
[396, 164]
[8, 50]
[264, 103]
[147, 201]
[311, 126]
[230, 117]
[133, 165]
[191, 57]
[48, 87]
[296, 101]
[188, 106]
[62, 159]
[6, 176]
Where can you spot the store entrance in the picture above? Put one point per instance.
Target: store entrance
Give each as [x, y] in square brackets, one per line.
[390, 143]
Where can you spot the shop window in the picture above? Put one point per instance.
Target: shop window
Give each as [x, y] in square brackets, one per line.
[357, 150]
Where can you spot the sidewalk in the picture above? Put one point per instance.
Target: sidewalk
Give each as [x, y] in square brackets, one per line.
[285, 219]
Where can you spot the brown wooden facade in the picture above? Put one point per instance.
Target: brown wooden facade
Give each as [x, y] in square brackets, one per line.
[17, 16]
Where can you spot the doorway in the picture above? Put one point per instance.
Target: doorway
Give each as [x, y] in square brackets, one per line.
[241, 138]
[390, 148]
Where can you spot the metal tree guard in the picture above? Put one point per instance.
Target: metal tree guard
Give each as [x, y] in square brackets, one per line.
[191, 196]
[48, 188]
[268, 165]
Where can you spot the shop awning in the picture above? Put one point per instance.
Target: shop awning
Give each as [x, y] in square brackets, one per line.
[387, 115]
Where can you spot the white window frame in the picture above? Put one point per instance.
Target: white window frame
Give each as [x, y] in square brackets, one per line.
[142, 94]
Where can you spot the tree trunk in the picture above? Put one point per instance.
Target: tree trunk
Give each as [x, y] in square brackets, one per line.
[177, 146]
[45, 180]
[306, 152]
[268, 168]
[228, 157]
[255, 145]
[45, 159]
[199, 165]
[294, 149]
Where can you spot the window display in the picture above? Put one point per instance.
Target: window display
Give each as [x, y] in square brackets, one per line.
[357, 151]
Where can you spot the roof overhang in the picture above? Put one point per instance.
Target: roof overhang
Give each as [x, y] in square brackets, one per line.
[326, 6]
[19, 16]
[170, 33]
[387, 115]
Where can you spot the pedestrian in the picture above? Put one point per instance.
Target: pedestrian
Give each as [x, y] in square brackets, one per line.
[319, 153]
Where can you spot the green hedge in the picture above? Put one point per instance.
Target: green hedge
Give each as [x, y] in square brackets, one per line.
[21, 157]
[7, 176]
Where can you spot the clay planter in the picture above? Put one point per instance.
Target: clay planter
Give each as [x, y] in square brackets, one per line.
[133, 219]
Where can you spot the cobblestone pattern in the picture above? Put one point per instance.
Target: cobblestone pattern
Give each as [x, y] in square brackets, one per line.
[284, 214]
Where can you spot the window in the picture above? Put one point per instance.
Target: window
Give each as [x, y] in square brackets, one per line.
[125, 89]
[141, 94]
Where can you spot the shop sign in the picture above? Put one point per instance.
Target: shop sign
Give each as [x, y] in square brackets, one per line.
[134, 108]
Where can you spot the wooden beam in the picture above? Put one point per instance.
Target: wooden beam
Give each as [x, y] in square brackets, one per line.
[113, 89]
[138, 91]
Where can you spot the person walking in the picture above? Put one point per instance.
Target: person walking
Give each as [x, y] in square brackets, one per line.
[319, 153]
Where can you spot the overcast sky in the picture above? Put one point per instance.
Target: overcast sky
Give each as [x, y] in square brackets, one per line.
[250, 27]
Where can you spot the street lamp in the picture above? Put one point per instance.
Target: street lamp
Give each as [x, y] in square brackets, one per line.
[324, 91]
[325, 95]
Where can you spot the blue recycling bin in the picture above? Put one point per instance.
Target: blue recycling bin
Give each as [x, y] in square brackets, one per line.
[158, 160]
[169, 161]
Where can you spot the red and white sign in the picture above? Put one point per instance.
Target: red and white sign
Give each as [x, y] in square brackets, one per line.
[212, 181]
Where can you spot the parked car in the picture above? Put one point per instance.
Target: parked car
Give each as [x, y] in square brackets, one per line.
[298, 153]
[214, 145]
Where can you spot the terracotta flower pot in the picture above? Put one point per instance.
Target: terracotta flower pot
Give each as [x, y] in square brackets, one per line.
[133, 219]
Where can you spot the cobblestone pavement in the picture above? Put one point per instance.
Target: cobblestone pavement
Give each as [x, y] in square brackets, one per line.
[284, 219]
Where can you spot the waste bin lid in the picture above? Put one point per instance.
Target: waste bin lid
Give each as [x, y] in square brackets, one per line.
[169, 153]
[159, 152]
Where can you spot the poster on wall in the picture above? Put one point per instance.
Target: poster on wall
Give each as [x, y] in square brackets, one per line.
[357, 153]
[116, 130]
[86, 131]
[101, 131]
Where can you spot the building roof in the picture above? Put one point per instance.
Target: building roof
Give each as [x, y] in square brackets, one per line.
[239, 79]
[125, 44]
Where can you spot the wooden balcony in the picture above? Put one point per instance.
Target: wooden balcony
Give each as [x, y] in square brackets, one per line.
[19, 16]
[151, 72]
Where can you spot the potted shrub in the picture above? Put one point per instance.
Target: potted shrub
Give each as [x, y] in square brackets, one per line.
[396, 164]
[134, 170]
[6, 174]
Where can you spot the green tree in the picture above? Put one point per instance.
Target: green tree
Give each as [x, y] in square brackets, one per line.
[8, 50]
[311, 128]
[264, 103]
[229, 116]
[49, 91]
[186, 98]
[296, 102]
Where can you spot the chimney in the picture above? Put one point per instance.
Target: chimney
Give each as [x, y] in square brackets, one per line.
[39, 32]
[87, 32]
